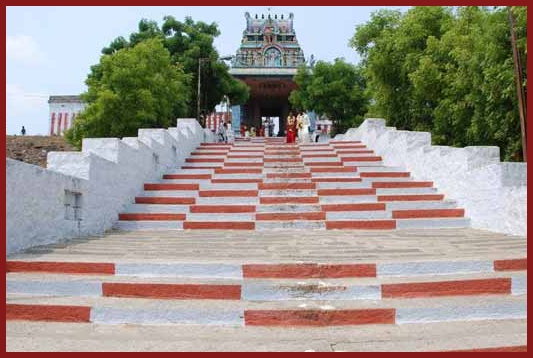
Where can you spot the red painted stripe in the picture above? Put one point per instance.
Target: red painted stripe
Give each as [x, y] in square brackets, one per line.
[447, 288]
[336, 180]
[510, 265]
[495, 349]
[170, 186]
[286, 186]
[361, 159]
[164, 200]
[360, 151]
[245, 156]
[238, 171]
[235, 181]
[99, 268]
[345, 142]
[288, 175]
[324, 164]
[354, 207]
[334, 170]
[362, 224]
[243, 164]
[200, 167]
[359, 191]
[217, 193]
[216, 145]
[360, 146]
[333, 155]
[428, 213]
[288, 318]
[150, 216]
[247, 150]
[309, 271]
[209, 153]
[289, 200]
[172, 291]
[187, 176]
[219, 225]
[402, 184]
[410, 197]
[291, 216]
[50, 313]
[222, 209]
[384, 175]
[283, 160]
[204, 160]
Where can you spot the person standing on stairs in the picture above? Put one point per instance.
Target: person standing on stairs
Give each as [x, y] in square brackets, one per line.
[291, 128]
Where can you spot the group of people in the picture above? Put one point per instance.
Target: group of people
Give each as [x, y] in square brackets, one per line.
[298, 128]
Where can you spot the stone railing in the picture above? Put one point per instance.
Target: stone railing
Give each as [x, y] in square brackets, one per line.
[493, 193]
[80, 194]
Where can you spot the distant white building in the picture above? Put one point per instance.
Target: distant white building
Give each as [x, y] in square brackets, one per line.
[63, 112]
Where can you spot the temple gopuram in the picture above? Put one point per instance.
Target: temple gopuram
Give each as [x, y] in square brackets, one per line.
[267, 60]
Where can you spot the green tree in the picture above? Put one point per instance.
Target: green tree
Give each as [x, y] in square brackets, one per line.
[188, 42]
[135, 87]
[336, 89]
[448, 71]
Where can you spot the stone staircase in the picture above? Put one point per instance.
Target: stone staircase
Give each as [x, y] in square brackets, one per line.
[244, 292]
[266, 184]
[177, 277]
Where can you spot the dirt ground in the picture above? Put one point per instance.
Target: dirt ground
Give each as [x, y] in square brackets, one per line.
[34, 149]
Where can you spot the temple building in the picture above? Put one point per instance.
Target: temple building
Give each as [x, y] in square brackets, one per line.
[267, 60]
[62, 112]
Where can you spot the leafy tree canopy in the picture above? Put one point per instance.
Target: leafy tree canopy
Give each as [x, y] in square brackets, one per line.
[188, 42]
[446, 70]
[335, 89]
[136, 87]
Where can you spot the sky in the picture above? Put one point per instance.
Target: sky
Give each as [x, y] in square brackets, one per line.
[49, 50]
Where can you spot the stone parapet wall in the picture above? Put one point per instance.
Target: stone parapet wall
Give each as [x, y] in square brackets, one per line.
[80, 194]
[493, 193]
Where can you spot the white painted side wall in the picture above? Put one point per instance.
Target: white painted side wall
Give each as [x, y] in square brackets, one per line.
[494, 194]
[108, 173]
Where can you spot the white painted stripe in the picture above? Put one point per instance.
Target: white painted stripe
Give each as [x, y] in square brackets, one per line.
[220, 217]
[295, 224]
[358, 215]
[347, 199]
[190, 171]
[287, 180]
[421, 205]
[55, 288]
[171, 193]
[261, 291]
[321, 159]
[156, 208]
[343, 185]
[335, 175]
[287, 208]
[209, 164]
[366, 169]
[300, 169]
[229, 186]
[405, 191]
[519, 285]
[432, 223]
[433, 268]
[370, 180]
[185, 181]
[207, 157]
[179, 270]
[238, 176]
[285, 165]
[235, 200]
[290, 192]
[363, 164]
[516, 310]
[204, 316]
[127, 225]
[244, 160]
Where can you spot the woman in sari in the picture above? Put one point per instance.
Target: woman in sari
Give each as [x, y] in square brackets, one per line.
[291, 129]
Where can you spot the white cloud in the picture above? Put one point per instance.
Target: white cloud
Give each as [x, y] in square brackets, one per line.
[23, 49]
